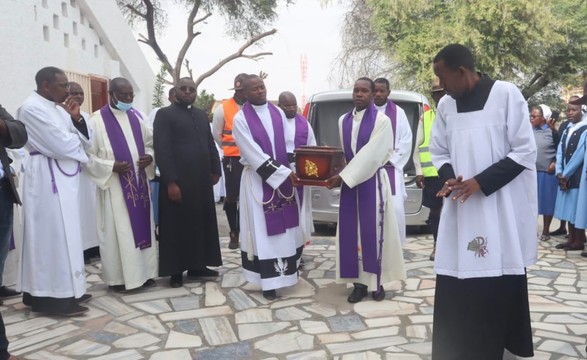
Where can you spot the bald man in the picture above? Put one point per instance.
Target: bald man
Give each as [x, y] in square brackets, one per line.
[300, 134]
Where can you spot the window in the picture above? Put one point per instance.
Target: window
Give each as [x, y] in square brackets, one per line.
[83, 44]
[74, 28]
[90, 25]
[64, 9]
[66, 40]
[95, 50]
[45, 5]
[82, 18]
[55, 22]
[72, 3]
[46, 33]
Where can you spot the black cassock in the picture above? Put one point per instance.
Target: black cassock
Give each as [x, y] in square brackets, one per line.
[185, 153]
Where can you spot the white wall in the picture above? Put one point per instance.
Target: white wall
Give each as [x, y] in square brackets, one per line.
[25, 49]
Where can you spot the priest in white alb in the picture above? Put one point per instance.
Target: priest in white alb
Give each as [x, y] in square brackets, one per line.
[52, 273]
[402, 150]
[271, 236]
[369, 251]
[121, 164]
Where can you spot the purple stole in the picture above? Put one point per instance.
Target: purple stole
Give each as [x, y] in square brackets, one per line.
[135, 188]
[359, 201]
[391, 112]
[279, 205]
[301, 138]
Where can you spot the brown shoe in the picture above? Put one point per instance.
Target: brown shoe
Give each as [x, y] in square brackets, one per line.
[233, 244]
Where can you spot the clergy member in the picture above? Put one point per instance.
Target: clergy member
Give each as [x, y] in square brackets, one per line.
[402, 150]
[483, 147]
[272, 240]
[87, 192]
[301, 134]
[51, 272]
[369, 248]
[189, 164]
[121, 164]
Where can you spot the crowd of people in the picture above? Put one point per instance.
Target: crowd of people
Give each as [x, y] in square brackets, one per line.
[88, 181]
[562, 175]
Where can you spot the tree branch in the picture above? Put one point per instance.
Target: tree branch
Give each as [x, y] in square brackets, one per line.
[235, 55]
[256, 56]
[190, 35]
[152, 37]
[136, 11]
[200, 20]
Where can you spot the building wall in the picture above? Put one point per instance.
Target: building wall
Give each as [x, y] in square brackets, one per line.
[69, 35]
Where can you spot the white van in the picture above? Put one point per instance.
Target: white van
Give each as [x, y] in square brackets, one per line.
[323, 111]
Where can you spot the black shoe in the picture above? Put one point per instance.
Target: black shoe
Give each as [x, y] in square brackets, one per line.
[7, 293]
[83, 299]
[378, 295]
[561, 246]
[558, 232]
[233, 244]
[118, 288]
[149, 283]
[176, 281]
[270, 294]
[73, 310]
[205, 272]
[359, 292]
[584, 254]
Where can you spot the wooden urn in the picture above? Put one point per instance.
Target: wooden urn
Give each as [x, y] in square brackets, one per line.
[315, 164]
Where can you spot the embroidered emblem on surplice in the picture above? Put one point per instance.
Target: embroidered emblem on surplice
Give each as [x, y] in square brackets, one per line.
[280, 266]
[479, 246]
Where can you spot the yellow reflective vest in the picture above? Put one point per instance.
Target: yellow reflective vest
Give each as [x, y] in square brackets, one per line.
[428, 169]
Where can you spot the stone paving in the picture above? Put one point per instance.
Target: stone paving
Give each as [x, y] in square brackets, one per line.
[229, 319]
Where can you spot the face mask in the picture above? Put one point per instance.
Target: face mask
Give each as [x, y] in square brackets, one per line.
[122, 106]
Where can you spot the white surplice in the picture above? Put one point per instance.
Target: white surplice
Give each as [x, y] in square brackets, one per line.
[52, 263]
[365, 164]
[305, 206]
[253, 230]
[399, 159]
[495, 235]
[122, 262]
[87, 194]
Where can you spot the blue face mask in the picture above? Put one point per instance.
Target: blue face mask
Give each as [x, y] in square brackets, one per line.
[122, 106]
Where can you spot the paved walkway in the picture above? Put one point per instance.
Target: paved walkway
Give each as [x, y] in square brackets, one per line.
[229, 319]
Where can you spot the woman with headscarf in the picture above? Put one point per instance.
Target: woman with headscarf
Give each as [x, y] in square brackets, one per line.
[545, 165]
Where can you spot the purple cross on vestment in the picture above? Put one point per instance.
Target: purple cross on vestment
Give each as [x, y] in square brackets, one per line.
[358, 205]
[279, 205]
[135, 187]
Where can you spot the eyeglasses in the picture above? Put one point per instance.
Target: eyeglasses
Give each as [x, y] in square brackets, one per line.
[76, 93]
[187, 89]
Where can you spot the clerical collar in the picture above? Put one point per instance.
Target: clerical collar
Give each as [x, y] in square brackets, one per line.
[356, 112]
[183, 106]
[476, 98]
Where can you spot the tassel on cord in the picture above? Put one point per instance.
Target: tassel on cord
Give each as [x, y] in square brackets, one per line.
[381, 227]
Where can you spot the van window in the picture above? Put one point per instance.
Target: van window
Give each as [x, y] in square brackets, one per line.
[324, 115]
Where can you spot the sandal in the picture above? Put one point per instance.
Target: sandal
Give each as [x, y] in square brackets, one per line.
[544, 237]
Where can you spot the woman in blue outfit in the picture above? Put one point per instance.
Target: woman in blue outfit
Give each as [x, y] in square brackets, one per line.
[581, 217]
[546, 146]
[569, 168]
